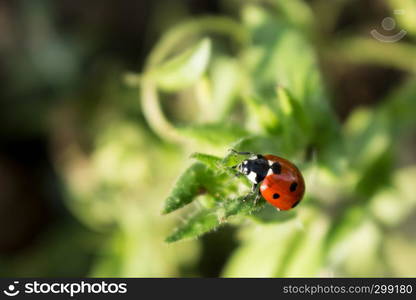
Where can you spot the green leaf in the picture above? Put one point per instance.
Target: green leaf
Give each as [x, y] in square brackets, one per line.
[202, 222]
[264, 249]
[308, 263]
[262, 117]
[297, 12]
[400, 106]
[395, 203]
[260, 255]
[208, 220]
[297, 127]
[292, 109]
[344, 225]
[211, 161]
[259, 144]
[214, 133]
[184, 69]
[366, 262]
[188, 186]
[376, 175]
[268, 215]
[281, 56]
[368, 51]
[369, 136]
[226, 83]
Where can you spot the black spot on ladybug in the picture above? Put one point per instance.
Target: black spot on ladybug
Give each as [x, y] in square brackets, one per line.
[295, 204]
[276, 196]
[276, 168]
[293, 186]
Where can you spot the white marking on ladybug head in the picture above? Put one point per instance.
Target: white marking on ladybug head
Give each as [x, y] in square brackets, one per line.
[252, 177]
[269, 172]
[242, 168]
[245, 162]
[270, 162]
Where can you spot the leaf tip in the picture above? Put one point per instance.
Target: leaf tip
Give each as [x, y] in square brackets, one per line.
[166, 210]
[171, 239]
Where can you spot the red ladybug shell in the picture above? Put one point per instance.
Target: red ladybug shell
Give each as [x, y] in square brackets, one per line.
[284, 190]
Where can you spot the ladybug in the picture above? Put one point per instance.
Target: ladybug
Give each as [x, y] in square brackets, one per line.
[279, 181]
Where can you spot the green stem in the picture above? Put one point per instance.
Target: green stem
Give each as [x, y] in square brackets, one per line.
[180, 33]
[153, 112]
[366, 50]
[149, 95]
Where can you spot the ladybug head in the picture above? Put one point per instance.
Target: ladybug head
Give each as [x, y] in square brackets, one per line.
[243, 167]
[254, 168]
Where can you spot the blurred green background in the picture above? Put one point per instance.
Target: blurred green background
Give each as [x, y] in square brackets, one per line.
[103, 102]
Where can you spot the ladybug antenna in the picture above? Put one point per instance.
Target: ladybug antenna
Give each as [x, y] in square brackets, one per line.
[240, 153]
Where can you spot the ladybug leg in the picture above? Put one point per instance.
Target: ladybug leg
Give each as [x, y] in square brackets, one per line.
[256, 191]
[236, 173]
[253, 190]
[257, 198]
